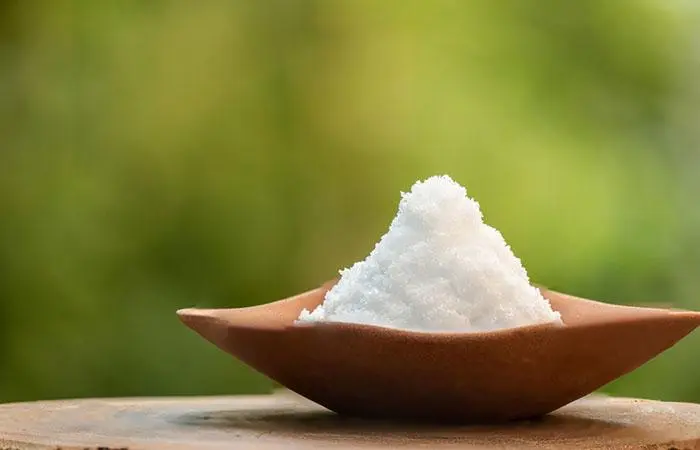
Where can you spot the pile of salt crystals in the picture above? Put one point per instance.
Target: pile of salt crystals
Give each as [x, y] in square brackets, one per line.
[438, 268]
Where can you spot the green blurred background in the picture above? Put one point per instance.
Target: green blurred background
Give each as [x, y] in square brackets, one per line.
[163, 154]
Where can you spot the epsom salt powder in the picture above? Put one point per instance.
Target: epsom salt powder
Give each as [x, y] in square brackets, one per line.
[438, 268]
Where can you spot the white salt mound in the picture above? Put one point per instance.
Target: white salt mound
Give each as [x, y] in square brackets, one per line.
[438, 268]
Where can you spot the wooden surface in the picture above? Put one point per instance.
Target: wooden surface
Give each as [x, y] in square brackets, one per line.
[287, 422]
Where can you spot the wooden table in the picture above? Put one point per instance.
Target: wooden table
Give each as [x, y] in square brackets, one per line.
[284, 421]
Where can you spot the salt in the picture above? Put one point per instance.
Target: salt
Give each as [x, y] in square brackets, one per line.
[438, 268]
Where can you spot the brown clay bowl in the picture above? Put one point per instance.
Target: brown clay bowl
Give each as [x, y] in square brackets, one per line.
[370, 371]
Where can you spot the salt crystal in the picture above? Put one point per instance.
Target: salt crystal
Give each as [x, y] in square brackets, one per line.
[438, 268]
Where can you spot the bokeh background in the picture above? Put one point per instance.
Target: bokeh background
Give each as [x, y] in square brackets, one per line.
[163, 154]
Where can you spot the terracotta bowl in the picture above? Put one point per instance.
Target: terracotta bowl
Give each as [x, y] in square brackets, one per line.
[370, 371]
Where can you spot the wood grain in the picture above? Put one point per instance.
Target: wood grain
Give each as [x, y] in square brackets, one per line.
[288, 422]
